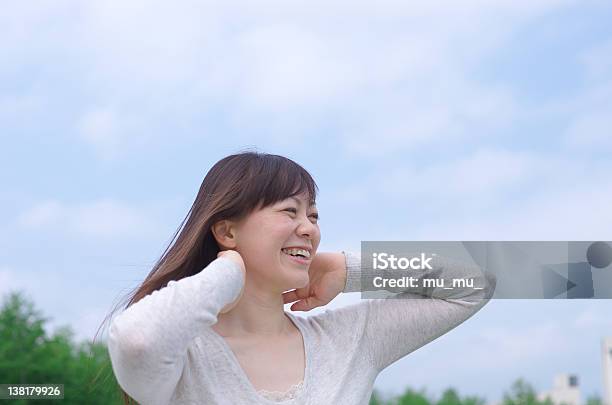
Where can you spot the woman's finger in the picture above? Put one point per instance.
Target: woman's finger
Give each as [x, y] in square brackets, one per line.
[307, 304]
[300, 306]
[295, 295]
[290, 296]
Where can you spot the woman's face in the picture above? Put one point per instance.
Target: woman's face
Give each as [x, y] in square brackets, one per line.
[262, 235]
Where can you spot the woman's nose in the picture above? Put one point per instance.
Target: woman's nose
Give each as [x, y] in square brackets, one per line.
[307, 228]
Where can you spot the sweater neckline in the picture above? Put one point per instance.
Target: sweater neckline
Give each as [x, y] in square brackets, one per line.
[237, 368]
[282, 395]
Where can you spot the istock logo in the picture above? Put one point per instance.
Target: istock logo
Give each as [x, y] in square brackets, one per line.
[384, 261]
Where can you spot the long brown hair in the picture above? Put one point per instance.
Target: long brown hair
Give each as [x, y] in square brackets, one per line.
[233, 188]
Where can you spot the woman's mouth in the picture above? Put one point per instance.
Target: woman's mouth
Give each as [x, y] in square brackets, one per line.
[297, 259]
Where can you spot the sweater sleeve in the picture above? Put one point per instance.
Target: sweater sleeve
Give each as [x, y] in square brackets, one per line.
[396, 326]
[148, 341]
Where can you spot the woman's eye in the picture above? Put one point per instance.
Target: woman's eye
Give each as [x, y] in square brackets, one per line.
[315, 216]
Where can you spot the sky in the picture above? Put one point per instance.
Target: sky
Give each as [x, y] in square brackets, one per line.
[441, 120]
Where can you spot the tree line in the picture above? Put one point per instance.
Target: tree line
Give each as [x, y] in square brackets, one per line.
[29, 354]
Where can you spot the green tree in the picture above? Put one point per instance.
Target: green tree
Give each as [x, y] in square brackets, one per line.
[412, 397]
[376, 399]
[593, 399]
[473, 400]
[29, 356]
[449, 397]
[523, 393]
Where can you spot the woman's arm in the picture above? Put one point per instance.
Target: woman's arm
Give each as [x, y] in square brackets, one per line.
[148, 341]
[396, 326]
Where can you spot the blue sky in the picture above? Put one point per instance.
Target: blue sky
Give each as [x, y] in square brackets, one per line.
[438, 121]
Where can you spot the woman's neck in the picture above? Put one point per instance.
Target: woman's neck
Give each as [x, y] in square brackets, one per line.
[257, 315]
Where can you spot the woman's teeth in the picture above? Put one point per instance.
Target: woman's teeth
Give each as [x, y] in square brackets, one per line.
[297, 252]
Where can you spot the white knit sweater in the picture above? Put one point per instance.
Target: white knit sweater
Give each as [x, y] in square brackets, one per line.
[164, 351]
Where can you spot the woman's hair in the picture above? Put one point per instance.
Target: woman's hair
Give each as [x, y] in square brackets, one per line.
[233, 188]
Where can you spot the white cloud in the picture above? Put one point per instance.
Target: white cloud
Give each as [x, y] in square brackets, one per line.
[513, 346]
[576, 212]
[482, 174]
[87, 321]
[431, 111]
[9, 281]
[398, 72]
[598, 60]
[104, 218]
[595, 316]
[100, 128]
[490, 194]
[47, 292]
[591, 130]
[43, 214]
[477, 183]
[16, 109]
[290, 67]
[589, 125]
[110, 218]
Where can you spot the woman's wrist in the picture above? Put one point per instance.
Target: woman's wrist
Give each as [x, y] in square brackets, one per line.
[353, 271]
[339, 263]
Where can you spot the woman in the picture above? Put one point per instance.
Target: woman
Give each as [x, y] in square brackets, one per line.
[208, 325]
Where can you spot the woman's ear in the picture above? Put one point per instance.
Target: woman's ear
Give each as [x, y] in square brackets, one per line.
[224, 233]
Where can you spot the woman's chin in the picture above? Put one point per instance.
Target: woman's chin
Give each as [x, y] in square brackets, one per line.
[296, 276]
[304, 283]
[298, 280]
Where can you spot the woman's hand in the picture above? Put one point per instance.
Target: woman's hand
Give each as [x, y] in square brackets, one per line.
[327, 274]
[236, 258]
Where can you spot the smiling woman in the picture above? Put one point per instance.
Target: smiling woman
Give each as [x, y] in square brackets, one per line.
[208, 323]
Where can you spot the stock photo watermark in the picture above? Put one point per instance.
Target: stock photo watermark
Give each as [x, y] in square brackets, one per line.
[487, 269]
